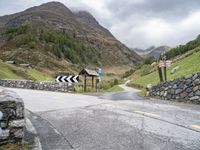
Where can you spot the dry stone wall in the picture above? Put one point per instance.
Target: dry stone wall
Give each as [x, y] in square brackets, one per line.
[12, 121]
[186, 88]
[29, 84]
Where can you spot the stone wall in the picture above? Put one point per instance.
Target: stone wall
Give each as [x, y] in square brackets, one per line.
[12, 122]
[186, 89]
[28, 84]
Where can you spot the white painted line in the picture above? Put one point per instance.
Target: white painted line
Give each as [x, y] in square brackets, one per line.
[147, 114]
[31, 128]
[195, 126]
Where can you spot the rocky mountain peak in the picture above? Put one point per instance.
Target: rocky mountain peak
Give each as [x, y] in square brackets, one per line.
[86, 17]
[53, 6]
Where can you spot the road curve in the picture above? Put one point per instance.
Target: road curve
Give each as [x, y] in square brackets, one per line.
[118, 121]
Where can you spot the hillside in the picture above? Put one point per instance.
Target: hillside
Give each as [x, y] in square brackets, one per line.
[157, 51]
[52, 37]
[181, 49]
[188, 64]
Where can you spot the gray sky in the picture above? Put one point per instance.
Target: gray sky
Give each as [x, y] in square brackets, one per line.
[137, 23]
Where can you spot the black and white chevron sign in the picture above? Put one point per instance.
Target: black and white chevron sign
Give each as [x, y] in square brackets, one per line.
[69, 79]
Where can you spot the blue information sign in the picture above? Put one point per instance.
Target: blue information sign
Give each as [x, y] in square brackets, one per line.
[100, 72]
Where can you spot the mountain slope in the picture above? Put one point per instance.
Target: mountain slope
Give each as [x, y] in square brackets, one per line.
[181, 49]
[152, 51]
[48, 34]
[157, 51]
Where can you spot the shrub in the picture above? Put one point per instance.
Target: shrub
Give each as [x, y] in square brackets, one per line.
[128, 73]
[21, 29]
[149, 60]
[26, 39]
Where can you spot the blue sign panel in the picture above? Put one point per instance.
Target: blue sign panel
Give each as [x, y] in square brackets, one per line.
[100, 72]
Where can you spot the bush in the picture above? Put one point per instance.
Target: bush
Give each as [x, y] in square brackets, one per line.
[63, 43]
[149, 60]
[183, 48]
[21, 29]
[128, 73]
[26, 39]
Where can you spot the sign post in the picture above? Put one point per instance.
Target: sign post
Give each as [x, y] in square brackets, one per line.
[165, 67]
[164, 63]
[160, 73]
[1, 117]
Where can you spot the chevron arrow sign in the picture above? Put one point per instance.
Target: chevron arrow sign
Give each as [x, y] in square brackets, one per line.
[69, 79]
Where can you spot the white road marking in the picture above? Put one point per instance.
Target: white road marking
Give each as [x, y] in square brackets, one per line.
[195, 126]
[31, 128]
[147, 114]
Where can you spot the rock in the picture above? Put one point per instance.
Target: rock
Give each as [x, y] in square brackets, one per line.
[178, 91]
[20, 111]
[195, 88]
[188, 76]
[166, 88]
[194, 98]
[19, 134]
[147, 93]
[189, 89]
[5, 134]
[149, 87]
[169, 96]
[17, 123]
[191, 95]
[197, 93]
[172, 91]
[188, 82]
[183, 95]
[162, 93]
[174, 86]
[196, 82]
[174, 69]
[195, 77]
[165, 94]
[181, 86]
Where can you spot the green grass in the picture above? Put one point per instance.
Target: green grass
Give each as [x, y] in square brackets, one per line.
[9, 71]
[6, 72]
[14, 146]
[188, 65]
[39, 75]
[115, 88]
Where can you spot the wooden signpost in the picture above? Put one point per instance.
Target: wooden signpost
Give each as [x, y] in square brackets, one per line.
[163, 64]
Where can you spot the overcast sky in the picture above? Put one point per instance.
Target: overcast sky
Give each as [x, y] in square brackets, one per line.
[137, 23]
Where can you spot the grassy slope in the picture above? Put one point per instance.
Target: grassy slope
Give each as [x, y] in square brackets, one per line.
[8, 71]
[188, 65]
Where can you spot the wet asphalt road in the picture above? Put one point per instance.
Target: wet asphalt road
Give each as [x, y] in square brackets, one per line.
[118, 121]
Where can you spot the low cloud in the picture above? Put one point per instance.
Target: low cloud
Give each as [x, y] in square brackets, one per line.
[137, 23]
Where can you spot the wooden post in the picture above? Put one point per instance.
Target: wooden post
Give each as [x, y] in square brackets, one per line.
[85, 84]
[165, 73]
[97, 81]
[92, 82]
[160, 73]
